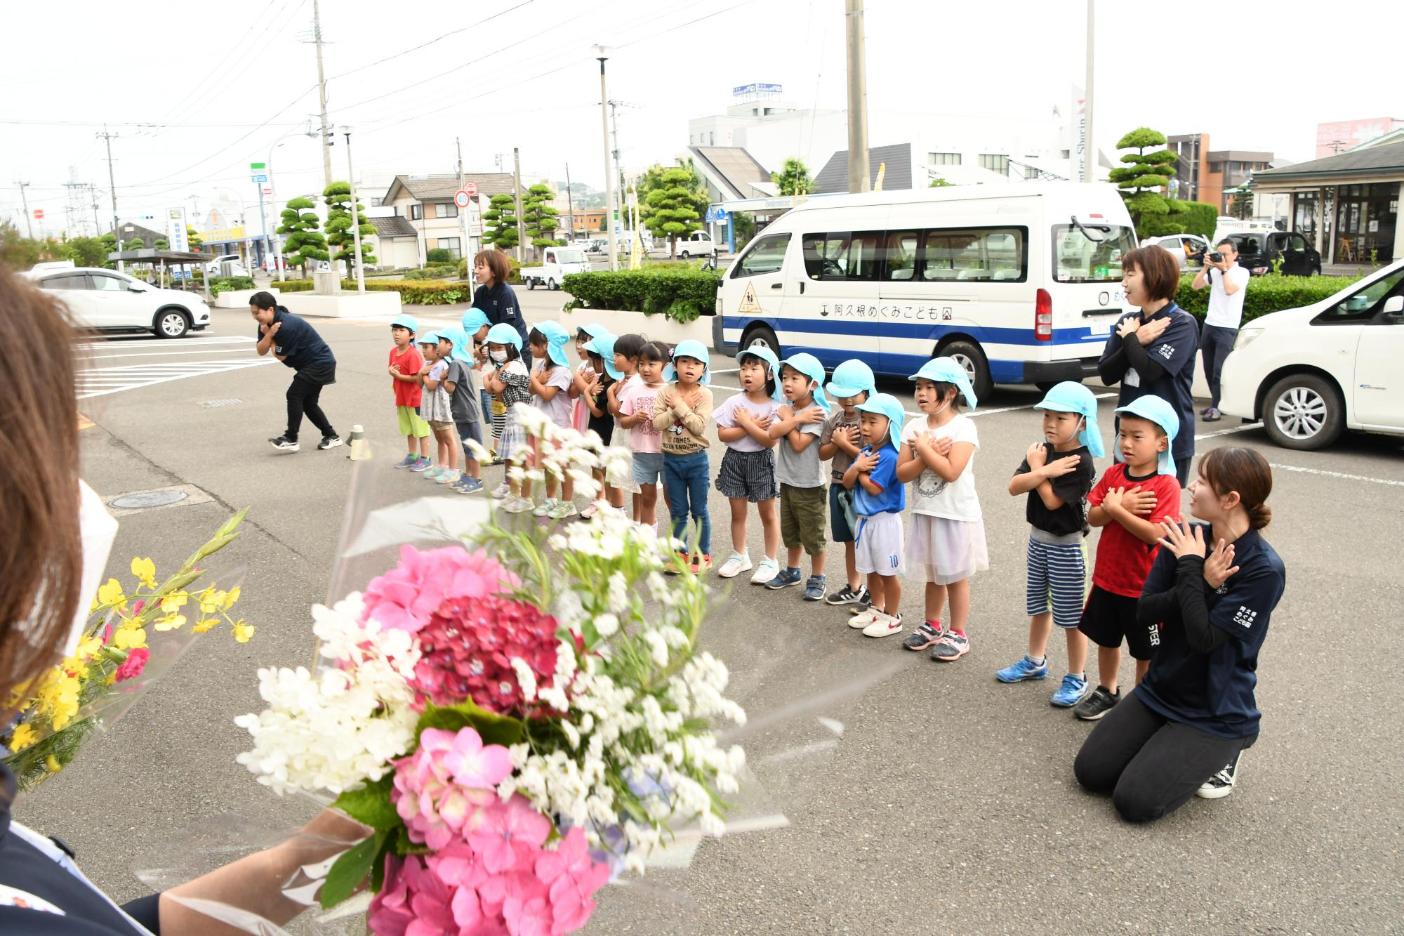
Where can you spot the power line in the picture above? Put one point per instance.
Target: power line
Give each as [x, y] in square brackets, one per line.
[425, 45]
[198, 88]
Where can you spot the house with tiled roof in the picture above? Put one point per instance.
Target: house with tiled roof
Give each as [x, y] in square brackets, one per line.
[426, 203]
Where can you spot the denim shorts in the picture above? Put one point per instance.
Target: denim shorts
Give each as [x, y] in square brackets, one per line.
[648, 467]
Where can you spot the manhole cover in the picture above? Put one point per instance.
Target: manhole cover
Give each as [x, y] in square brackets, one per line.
[145, 500]
[217, 404]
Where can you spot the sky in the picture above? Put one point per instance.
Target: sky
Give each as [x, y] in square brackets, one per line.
[195, 92]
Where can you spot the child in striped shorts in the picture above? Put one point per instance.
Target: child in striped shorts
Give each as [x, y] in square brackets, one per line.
[1057, 474]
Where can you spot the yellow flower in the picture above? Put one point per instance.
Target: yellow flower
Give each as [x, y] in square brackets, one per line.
[127, 638]
[145, 572]
[210, 600]
[88, 647]
[58, 697]
[205, 625]
[172, 603]
[243, 631]
[230, 597]
[111, 593]
[52, 763]
[171, 622]
[23, 737]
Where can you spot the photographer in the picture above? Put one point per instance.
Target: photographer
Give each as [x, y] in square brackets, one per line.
[1227, 282]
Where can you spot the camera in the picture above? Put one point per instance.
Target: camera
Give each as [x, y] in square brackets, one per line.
[1216, 257]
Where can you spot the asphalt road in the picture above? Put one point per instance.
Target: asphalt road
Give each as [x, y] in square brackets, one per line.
[890, 794]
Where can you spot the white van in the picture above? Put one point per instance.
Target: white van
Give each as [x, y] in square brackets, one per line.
[1020, 283]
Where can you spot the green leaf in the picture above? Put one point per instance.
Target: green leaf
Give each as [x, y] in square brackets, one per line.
[232, 523]
[353, 867]
[370, 804]
[493, 728]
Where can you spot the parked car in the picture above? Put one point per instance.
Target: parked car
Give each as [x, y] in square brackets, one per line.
[1189, 249]
[556, 263]
[106, 300]
[1312, 372]
[598, 245]
[226, 265]
[696, 244]
[1258, 250]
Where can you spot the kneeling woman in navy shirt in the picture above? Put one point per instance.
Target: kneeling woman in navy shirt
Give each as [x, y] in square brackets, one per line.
[1182, 730]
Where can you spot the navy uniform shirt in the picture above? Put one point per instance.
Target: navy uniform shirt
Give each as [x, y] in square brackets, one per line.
[499, 304]
[1174, 352]
[1213, 691]
[299, 345]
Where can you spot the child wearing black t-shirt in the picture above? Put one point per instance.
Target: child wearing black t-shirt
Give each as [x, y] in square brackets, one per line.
[1057, 475]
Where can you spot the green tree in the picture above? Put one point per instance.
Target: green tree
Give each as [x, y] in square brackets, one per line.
[1240, 202]
[17, 251]
[671, 202]
[305, 241]
[500, 222]
[136, 243]
[86, 251]
[939, 183]
[1140, 180]
[745, 228]
[793, 178]
[163, 244]
[193, 238]
[539, 216]
[339, 233]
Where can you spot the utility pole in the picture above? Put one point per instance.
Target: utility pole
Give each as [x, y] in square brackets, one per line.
[322, 94]
[24, 202]
[517, 185]
[618, 169]
[465, 213]
[858, 179]
[112, 185]
[355, 218]
[1089, 149]
[609, 171]
[97, 225]
[570, 209]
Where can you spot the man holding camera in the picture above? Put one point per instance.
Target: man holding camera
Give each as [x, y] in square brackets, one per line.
[1227, 282]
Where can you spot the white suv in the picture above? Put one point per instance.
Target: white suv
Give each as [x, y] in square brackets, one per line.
[1311, 373]
[106, 300]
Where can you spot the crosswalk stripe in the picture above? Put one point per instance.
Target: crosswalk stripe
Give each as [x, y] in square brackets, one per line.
[109, 380]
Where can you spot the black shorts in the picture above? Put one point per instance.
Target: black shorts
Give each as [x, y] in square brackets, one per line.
[1109, 619]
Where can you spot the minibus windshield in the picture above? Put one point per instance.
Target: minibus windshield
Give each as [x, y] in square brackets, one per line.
[1079, 259]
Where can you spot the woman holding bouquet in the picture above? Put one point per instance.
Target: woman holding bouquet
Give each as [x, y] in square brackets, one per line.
[42, 604]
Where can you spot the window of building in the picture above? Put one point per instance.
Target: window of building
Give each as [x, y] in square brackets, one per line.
[943, 159]
[416, 212]
[450, 244]
[995, 162]
[445, 210]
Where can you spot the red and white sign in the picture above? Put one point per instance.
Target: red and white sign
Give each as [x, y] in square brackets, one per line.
[471, 188]
[38, 214]
[461, 198]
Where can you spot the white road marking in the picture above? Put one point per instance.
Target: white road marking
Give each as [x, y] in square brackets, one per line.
[173, 344]
[174, 353]
[1339, 475]
[1222, 432]
[105, 381]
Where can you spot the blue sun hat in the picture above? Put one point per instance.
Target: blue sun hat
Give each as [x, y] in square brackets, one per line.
[593, 329]
[1072, 397]
[429, 337]
[693, 349]
[474, 319]
[762, 353]
[851, 378]
[885, 404]
[603, 345]
[462, 344]
[405, 321]
[556, 340]
[1156, 410]
[808, 365]
[947, 370]
[504, 334]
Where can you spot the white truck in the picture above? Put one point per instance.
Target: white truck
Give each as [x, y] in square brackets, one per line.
[696, 244]
[556, 262]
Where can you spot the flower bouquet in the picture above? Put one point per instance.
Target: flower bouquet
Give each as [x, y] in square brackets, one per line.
[517, 718]
[131, 636]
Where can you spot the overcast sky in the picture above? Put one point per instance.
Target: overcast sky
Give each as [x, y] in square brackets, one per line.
[195, 92]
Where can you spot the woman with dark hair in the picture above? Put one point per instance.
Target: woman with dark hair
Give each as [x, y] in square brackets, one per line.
[492, 268]
[42, 606]
[1206, 603]
[1151, 351]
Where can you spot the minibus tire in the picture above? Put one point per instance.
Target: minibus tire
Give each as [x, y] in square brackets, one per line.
[762, 334]
[980, 381]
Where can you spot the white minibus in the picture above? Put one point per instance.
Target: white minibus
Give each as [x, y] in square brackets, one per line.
[1020, 283]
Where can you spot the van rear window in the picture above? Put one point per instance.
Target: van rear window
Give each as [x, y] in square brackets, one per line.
[1080, 259]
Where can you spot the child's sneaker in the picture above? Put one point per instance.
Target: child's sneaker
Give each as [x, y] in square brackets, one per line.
[766, 571]
[501, 491]
[1098, 703]
[517, 505]
[421, 465]
[865, 617]
[1071, 692]
[590, 510]
[545, 507]
[924, 636]
[1221, 784]
[735, 564]
[409, 461]
[845, 595]
[884, 625]
[784, 579]
[814, 588]
[448, 476]
[701, 562]
[951, 647]
[863, 602]
[467, 485]
[562, 510]
[1024, 669]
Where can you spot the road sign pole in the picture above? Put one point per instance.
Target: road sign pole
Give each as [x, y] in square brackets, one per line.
[263, 222]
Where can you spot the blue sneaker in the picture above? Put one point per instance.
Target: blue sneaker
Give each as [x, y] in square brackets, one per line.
[408, 462]
[421, 465]
[814, 588]
[467, 485]
[1027, 669]
[785, 578]
[1072, 691]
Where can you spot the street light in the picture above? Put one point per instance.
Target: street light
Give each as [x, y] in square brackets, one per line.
[355, 217]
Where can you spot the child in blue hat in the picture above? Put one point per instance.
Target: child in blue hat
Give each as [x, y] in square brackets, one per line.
[747, 474]
[465, 400]
[1056, 475]
[436, 406]
[510, 383]
[681, 413]
[1129, 503]
[947, 537]
[404, 367]
[475, 325]
[584, 374]
[797, 428]
[879, 498]
[595, 392]
[852, 384]
[550, 392]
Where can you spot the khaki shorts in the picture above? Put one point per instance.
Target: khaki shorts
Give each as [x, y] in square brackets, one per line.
[802, 513]
[440, 425]
[410, 422]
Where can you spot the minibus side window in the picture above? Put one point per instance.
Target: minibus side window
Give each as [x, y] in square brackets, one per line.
[843, 256]
[766, 255]
[901, 256]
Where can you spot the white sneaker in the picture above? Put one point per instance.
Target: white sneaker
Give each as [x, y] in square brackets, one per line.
[501, 491]
[545, 507]
[766, 571]
[448, 477]
[517, 505]
[562, 510]
[862, 619]
[735, 564]
[883, 625]
[590, 510]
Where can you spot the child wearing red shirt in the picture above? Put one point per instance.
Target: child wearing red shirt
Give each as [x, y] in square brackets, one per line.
[1128, 503]
[405, 368]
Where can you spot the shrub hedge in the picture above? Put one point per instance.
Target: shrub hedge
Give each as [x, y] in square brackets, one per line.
[419, 292]
[223, 284]
[679, 293]
[1266, 294]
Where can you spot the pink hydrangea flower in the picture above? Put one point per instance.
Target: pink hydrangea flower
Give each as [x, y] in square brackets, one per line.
[572, 878]
[507, 834]
[133, 665]
[408, 594]
[413, 901]
[429, 795]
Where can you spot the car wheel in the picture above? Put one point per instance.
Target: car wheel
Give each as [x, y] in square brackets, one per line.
[969, 356]
[760, 336]
[171, 323]
[1304, 412]
[531, 284]
[551, 285]
[1315, 271]
[685, 255]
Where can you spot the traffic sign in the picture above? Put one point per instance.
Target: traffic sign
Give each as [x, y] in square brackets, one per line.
[268, 190]
[462, 197]
[471, 188]
[38, 214]
[257, 167]
[260, 178]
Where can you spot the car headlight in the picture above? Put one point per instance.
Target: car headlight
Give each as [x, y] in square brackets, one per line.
[1246, 336]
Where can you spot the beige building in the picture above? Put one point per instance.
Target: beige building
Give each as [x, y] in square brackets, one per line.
[426, 203]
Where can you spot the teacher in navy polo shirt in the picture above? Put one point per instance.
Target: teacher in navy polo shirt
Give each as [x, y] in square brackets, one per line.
[1207, 604]
[296, 344]
[1152, 351]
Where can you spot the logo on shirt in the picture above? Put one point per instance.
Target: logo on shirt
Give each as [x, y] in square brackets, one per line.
[1165, 351]
[1245, 616]
[1154, 633]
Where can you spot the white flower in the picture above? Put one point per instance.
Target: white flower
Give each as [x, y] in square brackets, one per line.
[607, 625]
[526, 679]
